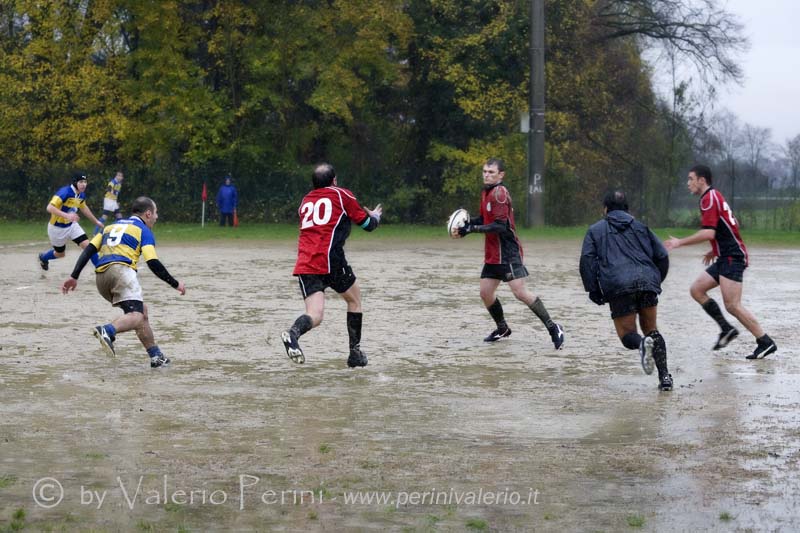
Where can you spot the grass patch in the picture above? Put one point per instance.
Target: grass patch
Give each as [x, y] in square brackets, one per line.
[143, 525]
[635, 520]
[95, 455]
[325, 448]
[477, 524]
[7, 481]
[20, 232]
[17, 521]
[725, 516]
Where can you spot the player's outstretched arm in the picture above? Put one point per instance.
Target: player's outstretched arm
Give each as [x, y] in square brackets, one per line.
[72, 282]
[88, 213]
[161, 272]
[702, 235]
[373, 218]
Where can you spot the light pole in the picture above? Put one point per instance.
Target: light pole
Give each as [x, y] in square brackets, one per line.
[534, 214]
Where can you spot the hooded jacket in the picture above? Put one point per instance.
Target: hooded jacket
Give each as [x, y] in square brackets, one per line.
[620, 255]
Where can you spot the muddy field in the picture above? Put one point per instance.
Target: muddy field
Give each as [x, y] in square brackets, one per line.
[451, 433]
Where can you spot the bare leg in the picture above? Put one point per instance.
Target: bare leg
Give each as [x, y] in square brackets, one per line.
[701, 286]
[732, 297]
[315, 308]
[145, 332]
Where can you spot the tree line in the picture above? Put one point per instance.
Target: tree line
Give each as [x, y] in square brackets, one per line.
[405, 98]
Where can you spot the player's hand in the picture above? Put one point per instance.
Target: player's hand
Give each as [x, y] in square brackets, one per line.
[181, 288]
[69, 285]
[377, 212]
[72, 217]
[466, 228]
[672, 243]
[709, 258]
[100, 225]
[597, 297]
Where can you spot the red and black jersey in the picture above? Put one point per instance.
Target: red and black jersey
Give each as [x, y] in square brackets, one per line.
[325, 216]
[503, 247]
[716, 214]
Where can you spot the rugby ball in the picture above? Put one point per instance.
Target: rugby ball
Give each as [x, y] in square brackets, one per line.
[457, 220]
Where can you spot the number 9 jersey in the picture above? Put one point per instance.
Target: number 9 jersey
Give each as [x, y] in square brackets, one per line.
[124, 242]
[325, 215]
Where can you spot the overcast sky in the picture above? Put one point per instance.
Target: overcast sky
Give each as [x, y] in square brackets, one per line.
[770, 97]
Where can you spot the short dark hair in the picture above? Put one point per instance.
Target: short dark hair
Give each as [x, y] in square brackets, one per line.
[142, 204]
[496, 162]
[323, 175]
[702, 171]
[615, 201]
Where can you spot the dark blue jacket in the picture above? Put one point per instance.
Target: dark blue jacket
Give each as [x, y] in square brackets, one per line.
[227, 199]
[621, 255]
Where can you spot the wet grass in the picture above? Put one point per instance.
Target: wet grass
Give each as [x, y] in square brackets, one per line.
[17, 522]
[477, 524]
[15, 232]
[635, 520]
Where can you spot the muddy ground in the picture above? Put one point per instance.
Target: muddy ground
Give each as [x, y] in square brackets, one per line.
[457, 433]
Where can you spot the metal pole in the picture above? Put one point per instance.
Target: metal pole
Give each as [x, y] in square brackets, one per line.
[534, 214]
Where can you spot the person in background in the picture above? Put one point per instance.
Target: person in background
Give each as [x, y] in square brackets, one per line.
[63, 225]
[227, 201]
[111, 200]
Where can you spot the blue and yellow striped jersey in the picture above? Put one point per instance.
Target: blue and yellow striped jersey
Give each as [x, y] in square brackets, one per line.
[68, 200]
[112, 191]
[124, 242]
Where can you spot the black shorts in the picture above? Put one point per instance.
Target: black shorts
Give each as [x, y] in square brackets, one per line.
[340, 279]
[627, 304]
[727, 267]
[504, 272]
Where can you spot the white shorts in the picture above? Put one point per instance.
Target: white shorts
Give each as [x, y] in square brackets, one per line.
[110, 205]
[119, 283]
[61, 236]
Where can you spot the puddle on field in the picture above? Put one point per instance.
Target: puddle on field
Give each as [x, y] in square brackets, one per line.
[436, 410]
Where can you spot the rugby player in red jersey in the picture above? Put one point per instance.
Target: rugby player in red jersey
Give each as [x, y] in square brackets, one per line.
[503, 254]
[720, 227]
[325, 219]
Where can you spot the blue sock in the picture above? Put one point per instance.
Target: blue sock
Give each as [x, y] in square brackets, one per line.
[111, 330]
[95, 258]
[49, 255]
[153, 351]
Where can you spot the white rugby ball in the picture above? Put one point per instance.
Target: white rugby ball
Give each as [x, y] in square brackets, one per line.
[457, 220]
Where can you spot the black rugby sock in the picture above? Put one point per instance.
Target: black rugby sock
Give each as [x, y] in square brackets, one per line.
[659, 352]
[714, 312]
[301, 326]
[538, 309]
[354, 328]
[496, 310]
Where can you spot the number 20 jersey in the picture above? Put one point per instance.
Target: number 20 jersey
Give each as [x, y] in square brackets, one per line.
[123, 242]
[325, 216]
[717, 215]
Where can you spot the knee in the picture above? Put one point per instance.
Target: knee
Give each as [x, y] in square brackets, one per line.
[523, 294]
[732, 307]
[138, 319]
[631, 340]
[698, 294]
[488, 296]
